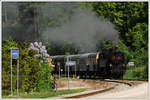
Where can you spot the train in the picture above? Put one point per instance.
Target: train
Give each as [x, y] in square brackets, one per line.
[107, 63]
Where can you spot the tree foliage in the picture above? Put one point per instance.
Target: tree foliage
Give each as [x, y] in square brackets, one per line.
[30, 72]
[57, 48]
[101, 45]
[131, 20]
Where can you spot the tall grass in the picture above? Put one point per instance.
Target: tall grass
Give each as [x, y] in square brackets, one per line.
[136, 73]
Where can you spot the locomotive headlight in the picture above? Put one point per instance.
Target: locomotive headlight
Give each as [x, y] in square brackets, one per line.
[110, 65]
[123, 65]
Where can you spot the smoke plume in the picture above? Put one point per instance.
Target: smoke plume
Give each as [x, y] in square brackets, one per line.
[83, 28]
[80, 26]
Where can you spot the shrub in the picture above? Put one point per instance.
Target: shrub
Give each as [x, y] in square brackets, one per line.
[44, 78]
[136, 73]
[29, 68]
[6, 47]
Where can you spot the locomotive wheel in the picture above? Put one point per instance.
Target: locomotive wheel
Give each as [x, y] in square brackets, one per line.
[117, 71]
[107, 72]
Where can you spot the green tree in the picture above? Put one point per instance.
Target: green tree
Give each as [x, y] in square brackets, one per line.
[102, 44]
[131, 20]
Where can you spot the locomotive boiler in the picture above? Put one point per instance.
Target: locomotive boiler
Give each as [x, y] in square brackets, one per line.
[108, 63]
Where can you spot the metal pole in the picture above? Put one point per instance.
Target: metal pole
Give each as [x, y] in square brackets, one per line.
[66, 70]
[11, 73]
[68, 75]
[75, 70]
[18, 77]
[59, 71]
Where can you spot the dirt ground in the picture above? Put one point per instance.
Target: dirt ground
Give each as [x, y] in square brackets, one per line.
[120, 90]
[139, 91]
[89, 84]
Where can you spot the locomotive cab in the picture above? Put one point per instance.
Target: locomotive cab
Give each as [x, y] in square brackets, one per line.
[117, 64]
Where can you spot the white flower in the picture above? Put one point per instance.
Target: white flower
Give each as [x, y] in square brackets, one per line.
[41, 51]
[44, 47]
[40, 44]
[37, 55]
[36, 44]
[31, 44]
[41, 61]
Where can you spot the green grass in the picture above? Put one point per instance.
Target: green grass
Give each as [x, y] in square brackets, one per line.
[135, 73]
[45, 94]
[129, 75]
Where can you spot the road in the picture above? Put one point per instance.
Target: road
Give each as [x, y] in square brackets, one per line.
[140, 91]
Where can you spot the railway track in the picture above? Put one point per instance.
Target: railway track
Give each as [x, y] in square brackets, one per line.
[120, 81]
[116, 83]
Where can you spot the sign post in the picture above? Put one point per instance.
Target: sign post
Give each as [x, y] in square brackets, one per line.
[11, 72]
[59, 68]
[131, 64]
[15, 55]
[68, 71]
[69, 63]
[75, 70]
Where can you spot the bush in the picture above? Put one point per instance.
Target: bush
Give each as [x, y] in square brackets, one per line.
[29, 68]
[6, 47]
[139, 57]
[136, 73]
[44, 81]
[44, 77]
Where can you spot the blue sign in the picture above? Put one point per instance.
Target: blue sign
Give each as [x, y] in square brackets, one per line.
[15, 53]
[70, 63]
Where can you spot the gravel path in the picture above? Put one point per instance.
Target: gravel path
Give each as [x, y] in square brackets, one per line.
[124, 91]
[89, 84]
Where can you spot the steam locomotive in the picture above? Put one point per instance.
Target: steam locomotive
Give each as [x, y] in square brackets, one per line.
[108, 63]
